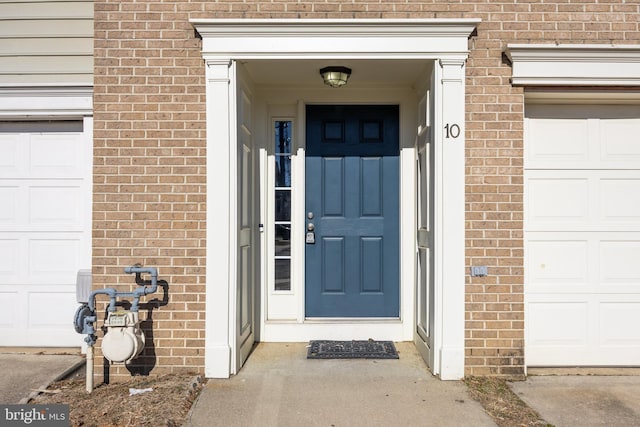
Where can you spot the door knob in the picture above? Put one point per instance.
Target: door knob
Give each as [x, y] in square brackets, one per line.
[310, 226]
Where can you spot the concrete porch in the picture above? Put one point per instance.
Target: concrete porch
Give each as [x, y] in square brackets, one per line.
[278, 386]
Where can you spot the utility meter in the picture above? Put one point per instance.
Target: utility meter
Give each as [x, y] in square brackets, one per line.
[124, 339]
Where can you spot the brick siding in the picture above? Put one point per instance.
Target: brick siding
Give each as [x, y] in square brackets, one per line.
[149, 162]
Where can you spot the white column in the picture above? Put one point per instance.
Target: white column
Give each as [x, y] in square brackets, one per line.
[450, 215]
[221, 233]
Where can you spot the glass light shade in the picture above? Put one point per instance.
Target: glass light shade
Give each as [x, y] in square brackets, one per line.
[335, 76]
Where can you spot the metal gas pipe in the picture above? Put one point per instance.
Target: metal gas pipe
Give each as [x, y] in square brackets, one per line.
[124, 340]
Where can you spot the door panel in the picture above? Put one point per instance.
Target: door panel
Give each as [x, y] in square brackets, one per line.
[352, 201]
[425, 300]
[247, 247]
[425, 307]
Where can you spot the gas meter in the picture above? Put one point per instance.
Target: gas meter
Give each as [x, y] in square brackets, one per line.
[124, 339]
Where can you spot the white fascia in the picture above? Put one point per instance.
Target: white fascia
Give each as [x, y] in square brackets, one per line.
[574, 65]
[57, 102]
[341, 38]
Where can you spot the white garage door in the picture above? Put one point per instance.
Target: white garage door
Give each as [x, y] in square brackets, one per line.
[45, 215]
[582, 235]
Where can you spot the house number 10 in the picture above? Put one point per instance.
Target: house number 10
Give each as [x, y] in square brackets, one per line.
[452, 131]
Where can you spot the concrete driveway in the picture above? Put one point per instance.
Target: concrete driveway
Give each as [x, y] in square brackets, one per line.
[21, 373]
[583, 400]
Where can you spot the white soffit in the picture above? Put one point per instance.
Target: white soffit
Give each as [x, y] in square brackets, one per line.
[574, 65]
[341, 38]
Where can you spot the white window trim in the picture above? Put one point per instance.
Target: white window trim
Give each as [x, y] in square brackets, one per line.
[574, 65]
[226, 41]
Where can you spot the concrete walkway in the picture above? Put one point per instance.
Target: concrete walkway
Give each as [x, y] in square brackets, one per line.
[23, 373]
[278, 386]
[583, 400]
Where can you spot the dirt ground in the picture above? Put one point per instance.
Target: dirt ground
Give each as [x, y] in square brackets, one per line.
[111, 405]
[502, 404]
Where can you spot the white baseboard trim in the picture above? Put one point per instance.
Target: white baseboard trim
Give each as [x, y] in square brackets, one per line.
[452, 363]
[217, 361]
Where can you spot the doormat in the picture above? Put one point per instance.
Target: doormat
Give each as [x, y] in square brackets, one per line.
[352, 350]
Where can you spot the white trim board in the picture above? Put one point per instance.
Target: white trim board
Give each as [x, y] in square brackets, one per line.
[326, 38]
[43, 102]
[574, 65]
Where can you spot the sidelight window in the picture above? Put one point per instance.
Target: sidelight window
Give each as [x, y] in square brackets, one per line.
[282, 214]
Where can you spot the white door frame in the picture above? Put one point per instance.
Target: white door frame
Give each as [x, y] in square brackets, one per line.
[226, 41]
[284, 318]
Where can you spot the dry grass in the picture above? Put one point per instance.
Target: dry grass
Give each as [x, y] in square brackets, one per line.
[502, 404]
[111, 405]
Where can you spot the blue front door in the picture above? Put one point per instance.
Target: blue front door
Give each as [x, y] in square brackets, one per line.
[352, 211]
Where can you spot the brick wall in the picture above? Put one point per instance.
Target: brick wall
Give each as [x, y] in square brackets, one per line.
[149, 193]
[149, 168]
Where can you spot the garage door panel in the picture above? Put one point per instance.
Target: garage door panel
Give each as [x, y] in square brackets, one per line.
[558, 324]
[619, 324]
[38, 315]
[557, 142]
[41, 337]
[55, 204]
[582, 200]
[619, 142]
[43, 205]
[557, 201]
[578, 262]
[10, 309]
[10, 260]
[39, 258]
[9, 202]
[52, 259]
[620, 200]
[558, 265]
[55, 155]
[619, 264]
[10, 154]
[50, 310]
[582, 137]
[583, 330]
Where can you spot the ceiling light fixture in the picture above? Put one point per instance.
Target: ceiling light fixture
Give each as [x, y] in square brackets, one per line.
[335, 76]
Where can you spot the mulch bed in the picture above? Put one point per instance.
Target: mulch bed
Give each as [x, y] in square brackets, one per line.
[111, 405]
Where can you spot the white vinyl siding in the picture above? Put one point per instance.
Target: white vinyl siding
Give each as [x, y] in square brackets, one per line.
[582, 235]
[46, 42]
